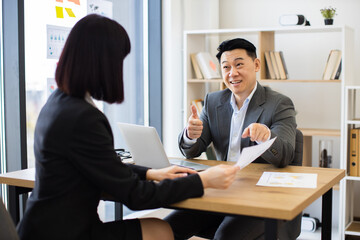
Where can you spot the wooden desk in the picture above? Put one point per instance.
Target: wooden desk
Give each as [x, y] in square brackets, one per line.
[19, 182]
[22, 178]
[23, 181]
[243, 197]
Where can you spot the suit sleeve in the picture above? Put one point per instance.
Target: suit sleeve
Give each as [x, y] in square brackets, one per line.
[139, 170]
[93, 155]
[283, 126]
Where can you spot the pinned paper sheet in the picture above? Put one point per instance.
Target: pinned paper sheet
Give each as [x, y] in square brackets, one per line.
[249, 154]
[284, 179]
[59, 12]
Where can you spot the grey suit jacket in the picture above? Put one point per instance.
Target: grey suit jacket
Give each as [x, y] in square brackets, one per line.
[266, 106]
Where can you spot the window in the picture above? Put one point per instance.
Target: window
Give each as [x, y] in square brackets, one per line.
[30, 62]
[47, 24]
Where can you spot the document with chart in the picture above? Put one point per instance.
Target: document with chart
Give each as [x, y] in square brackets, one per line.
[285, 179]
[249, 154]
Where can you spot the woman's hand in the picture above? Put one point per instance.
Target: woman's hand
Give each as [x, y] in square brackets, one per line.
[168, 173]
[220, 176]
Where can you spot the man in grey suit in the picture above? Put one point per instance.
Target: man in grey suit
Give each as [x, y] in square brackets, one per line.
[242, 115]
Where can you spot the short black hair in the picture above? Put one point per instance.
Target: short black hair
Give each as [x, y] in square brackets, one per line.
[92, 59]
[237, 43]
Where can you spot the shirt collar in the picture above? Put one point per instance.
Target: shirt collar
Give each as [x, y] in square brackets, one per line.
[247, 100]
[89, 99]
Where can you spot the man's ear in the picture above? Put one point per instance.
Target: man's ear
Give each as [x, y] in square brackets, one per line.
[257, 64]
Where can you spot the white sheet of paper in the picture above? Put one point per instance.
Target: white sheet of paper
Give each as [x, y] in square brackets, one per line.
[249, 154]
[285, 179]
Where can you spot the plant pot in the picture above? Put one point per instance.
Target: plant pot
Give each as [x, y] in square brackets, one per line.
[329, 21]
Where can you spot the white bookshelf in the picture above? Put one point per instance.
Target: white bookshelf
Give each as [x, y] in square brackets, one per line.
[352, 114]
[320, 104]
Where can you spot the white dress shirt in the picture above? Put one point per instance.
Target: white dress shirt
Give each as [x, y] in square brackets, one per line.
[237, 122]
[89, 99]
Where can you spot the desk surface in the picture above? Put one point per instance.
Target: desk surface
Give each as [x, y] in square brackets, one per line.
[243, 196]
[21, 178]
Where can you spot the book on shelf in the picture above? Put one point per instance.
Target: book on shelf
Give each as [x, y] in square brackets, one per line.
[280, 65]
[195, 66]
[269, 65]
[336, 75]
[208, 65]
[284, 64]
[332, 65]
[198, 103]
[354, 152]
[275, 65]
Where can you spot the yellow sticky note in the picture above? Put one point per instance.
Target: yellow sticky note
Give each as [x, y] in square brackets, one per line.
[59, 12]
[70, 12]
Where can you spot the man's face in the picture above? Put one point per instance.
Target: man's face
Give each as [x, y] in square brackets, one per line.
[239, 72]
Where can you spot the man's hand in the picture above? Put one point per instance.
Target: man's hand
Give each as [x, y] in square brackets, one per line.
[168, 173]
[257, 132]
[195, 125]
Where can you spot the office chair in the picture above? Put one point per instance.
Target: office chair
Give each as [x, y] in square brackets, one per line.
[288, 225]
[299, 140]
[7, 227]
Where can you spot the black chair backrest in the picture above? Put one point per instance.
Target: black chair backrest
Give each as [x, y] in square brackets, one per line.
[7, 227]
[298, 158]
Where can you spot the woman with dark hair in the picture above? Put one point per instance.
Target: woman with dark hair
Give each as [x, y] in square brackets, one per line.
[75, 157]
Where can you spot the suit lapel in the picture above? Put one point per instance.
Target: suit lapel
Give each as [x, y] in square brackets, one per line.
[223, 116]
[253, 112]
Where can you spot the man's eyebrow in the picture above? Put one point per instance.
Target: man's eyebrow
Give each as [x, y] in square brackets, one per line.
[239, 58]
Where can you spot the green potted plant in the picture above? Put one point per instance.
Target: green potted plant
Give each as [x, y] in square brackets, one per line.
[328, 14]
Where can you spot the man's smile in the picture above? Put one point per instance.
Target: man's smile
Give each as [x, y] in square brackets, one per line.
[235, 81]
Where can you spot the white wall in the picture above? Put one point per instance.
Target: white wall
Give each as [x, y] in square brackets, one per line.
[263, 13]
[179, 15]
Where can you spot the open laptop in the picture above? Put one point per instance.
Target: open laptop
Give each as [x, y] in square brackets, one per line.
[147, 150]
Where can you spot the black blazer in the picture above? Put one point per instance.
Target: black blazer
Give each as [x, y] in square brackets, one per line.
[75, 163]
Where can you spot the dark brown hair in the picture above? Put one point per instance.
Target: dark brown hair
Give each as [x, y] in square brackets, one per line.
[92, 59]
[236, 43]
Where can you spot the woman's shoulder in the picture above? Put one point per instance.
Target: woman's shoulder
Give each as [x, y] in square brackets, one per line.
[67, 112]
[62, 103]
